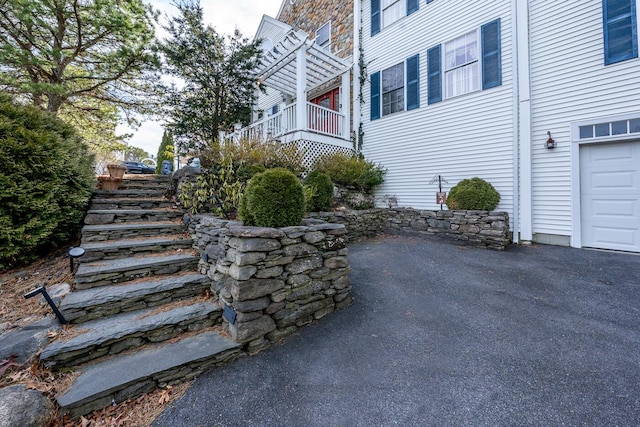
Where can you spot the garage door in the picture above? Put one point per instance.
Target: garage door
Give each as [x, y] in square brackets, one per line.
[610, 196]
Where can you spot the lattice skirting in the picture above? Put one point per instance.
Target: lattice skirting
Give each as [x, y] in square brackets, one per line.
[313, 150]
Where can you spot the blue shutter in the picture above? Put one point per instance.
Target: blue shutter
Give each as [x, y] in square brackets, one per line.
[375, 95]
[375, 17]
[620, 30]
[412, 6]
[413, 82]
[429, 1]
[434, 75]
[491, 55]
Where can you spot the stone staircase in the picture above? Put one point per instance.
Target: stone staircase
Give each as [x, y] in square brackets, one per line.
[139, 313]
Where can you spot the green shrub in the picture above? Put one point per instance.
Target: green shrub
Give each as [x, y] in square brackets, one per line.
[46, 180]
[351, 170]
[318, 192]
[473, 194]
[273, 199]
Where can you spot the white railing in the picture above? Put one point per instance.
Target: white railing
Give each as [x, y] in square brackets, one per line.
[319, 119]
[324, 120]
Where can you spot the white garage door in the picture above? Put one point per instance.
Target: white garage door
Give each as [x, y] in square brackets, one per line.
[610, 196]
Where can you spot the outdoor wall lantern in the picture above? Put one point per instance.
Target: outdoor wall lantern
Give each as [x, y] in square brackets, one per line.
[550, 143]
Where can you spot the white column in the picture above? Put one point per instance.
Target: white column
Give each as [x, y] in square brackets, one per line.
[345, 98]
[356, 64]
[301, 86]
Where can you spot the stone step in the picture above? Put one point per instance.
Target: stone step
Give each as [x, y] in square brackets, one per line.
[104, 232]
[108, 272]
[115, 216]
[115, 334]
[130, 194]
[128, 184]
[145, 178]
[89, 304]
[113, 249]
[118, 379]
[98, 203]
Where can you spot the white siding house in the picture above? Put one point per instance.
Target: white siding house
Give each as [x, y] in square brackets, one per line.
[540, 98]
[449, 121]
[569, 72]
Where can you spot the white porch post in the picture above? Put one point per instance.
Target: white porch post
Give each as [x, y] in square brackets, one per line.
[345, 98]
[301, 85]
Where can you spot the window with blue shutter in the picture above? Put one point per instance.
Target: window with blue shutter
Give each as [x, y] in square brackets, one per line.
[491, 55]
[375, 95]
[429, 1]
[375, 17]
[434, 75]
[620, 30]
[412, 6]
[413, 82]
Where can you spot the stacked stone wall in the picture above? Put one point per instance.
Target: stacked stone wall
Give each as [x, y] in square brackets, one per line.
[308, 16]
[273, 280]
[476, 228]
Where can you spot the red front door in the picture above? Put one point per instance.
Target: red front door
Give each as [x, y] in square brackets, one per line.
[330, 100]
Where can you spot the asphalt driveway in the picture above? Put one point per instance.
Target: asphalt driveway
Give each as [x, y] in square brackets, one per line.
[442, 335]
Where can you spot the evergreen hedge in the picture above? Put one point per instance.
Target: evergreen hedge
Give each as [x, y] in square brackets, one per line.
[273, 198]
[351, 170]
[473, 194]
[320, 190]
[46, 180]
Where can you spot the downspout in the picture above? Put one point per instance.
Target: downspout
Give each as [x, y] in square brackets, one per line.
[356, 65]
[522, 191]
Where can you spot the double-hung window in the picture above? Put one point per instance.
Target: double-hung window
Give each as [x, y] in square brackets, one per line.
[620, 30]
[461, 65]
[393, 89]
[396, 88]
[392, 10]
[468, 63]
[386, 12]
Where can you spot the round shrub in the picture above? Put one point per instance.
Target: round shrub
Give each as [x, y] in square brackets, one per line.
[273, 198]
[46, 180]
[351, 170]
[473, 194]
[320, 190]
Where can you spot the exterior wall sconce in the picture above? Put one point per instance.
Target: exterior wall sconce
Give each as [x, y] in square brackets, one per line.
[550, 143]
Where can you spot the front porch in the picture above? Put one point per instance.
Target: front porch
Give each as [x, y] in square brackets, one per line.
[294, 69]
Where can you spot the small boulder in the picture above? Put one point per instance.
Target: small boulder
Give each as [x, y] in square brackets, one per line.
[25, 408]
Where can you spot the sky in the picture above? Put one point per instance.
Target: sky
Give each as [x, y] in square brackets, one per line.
[225, 16]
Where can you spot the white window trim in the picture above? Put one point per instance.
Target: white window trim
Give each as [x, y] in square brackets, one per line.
[328, 45]
[576, 142]
[444, 70]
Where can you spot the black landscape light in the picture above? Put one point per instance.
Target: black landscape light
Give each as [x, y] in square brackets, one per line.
[74, 252]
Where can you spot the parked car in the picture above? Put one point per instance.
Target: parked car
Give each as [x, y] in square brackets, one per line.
[138, 167]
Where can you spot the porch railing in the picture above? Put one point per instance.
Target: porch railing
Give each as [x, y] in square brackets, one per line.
[319, 119]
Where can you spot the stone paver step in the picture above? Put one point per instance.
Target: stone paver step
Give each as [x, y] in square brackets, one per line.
[103, 232]
[107, 272]
[131, 203]
[131, 194]
[115, 216]
[113, 249]
[115, 334]
[128, 184]
[118, 379]
[89, 304]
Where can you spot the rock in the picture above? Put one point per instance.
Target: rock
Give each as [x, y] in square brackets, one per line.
[337, 262]
[24, 408]
[246, 231]
[25, 342]
[300, 249]
[314, 237]
[250, 331]
[242, 273]
[251, 305]
[254, 245]
[266, 273]
[97, 219]
[254, 288]
[304, 264]
[57, 292]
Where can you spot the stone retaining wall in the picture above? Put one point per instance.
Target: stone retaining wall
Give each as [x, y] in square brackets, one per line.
[477, 228]
[274, 280]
